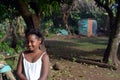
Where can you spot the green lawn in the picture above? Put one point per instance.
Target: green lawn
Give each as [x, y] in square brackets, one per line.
[77, 48]
[74, 48]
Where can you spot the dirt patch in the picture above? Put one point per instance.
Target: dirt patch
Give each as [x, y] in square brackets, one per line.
[77, 71]
[60, 50]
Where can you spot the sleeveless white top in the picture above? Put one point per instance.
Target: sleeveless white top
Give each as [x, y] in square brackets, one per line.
[32, 70]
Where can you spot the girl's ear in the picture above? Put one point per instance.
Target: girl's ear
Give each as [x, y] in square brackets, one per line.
[40, 41]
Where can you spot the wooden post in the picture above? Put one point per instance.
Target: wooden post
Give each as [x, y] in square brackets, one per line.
[1, 77]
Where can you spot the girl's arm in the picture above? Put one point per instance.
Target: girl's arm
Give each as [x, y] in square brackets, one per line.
[45, 67]
[21, 76]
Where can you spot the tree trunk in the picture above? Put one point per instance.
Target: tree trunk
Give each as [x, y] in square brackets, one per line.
[116, 41]
[65, 22]
[20, 27]
[114, 48]
[55, 19]
[14, 35]
[31, 20]
[110, 41]
[118, 52]
[111, 53]
[107, 51]
[66, 13]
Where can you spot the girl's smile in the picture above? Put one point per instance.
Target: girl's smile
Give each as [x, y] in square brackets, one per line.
[33, 42]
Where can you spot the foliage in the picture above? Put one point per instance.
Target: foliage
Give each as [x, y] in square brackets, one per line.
[87, 9]
[1, 35]
[4, 26]
[108, 5]
[84, 10]
[47, 7]
[4, 47]
[3, 10]
[47, 25]
[20, 46]
[44, 7]
[8, 9]
[8, 50]
[39, 7]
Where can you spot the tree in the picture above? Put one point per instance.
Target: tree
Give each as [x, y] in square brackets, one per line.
[9, 12]
[32, 11]
[112, 7]
[65, 11]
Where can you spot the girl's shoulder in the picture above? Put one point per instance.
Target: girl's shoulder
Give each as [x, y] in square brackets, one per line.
[45, 56]
[24, 53]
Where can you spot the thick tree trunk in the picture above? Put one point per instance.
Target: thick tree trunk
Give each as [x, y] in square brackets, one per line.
[31, 20]
[116, 40]
[107, 51]
[111, 53]
[118, 52]
[110, 41]
[114, 55]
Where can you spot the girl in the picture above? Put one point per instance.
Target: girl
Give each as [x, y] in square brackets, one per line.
[33, 63]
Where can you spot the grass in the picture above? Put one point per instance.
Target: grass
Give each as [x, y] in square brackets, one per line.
[89, 44]
[90, 48]
[86, 44]
[73, 47]
[77, 47]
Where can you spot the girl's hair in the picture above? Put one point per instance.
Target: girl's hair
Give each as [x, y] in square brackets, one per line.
[34, 31]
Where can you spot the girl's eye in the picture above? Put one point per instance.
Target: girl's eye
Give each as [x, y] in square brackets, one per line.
[31, 41]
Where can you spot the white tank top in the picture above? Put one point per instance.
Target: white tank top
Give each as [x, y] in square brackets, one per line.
[32, 70]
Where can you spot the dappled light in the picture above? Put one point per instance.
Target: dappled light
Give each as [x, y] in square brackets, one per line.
[82, 38]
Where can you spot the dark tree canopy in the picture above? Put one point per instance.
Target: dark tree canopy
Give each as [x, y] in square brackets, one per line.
[32, 10]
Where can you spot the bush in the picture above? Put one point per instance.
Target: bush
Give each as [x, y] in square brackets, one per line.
[4, 47]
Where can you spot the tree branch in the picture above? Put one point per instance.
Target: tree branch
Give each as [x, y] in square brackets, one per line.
[1, 40]
[22, 7]
[92, 62]
[106, 7]
[7, 34]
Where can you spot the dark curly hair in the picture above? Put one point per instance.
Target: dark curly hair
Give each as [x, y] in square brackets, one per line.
[34, 31]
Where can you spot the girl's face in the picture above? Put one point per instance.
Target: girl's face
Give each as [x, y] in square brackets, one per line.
[33, 42]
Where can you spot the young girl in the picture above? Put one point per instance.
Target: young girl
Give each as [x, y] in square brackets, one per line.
[33, 63]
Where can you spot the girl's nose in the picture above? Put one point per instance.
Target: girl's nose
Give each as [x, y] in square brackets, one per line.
[29, 44]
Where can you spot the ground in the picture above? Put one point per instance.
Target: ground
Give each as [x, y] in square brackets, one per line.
[65, 53]
[77, 71]
[60, 51]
